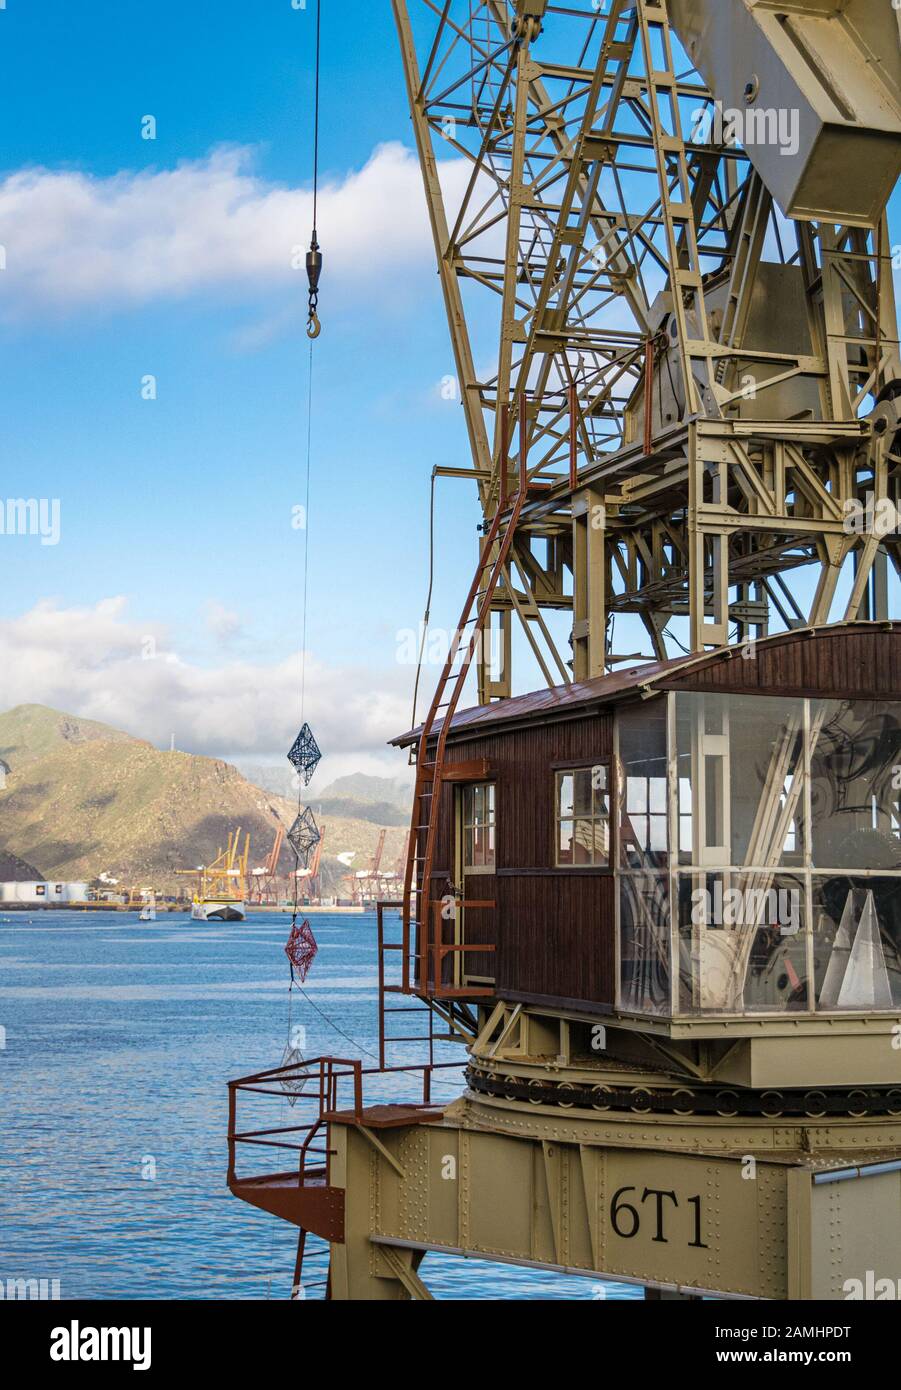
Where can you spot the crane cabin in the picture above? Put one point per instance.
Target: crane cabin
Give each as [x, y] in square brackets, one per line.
[704, 851]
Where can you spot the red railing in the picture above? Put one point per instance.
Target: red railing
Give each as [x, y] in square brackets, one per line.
[441, 948]
[324, 1083]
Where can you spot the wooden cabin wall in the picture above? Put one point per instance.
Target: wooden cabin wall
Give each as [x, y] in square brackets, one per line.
[840, 664]
[553, 927]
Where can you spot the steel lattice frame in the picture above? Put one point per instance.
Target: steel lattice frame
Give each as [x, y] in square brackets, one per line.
[603, 253]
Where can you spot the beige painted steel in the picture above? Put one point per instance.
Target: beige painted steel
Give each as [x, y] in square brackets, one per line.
[705, 1207]
[832, 66]
[764, 374]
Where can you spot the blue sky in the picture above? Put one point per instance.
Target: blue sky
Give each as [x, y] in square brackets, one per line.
[181, 507]
[183, 504]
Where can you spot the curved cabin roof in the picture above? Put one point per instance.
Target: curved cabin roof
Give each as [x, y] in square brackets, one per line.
[859, 660]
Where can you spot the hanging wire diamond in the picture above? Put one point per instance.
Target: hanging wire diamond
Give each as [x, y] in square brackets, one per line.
[303, 836]
[294, 1085]
[305, 755]
[301, 949]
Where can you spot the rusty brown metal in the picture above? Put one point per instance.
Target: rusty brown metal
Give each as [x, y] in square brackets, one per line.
[441, 949]
[700, 667]
[399, 986]
[305, 1196]
[312, 1205]
[503, 461]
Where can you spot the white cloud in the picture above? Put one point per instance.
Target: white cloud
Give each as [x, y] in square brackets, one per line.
[224, 624]
[73, 240]
[98, 663]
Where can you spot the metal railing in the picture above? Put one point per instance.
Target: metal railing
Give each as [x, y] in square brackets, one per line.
[320, 1085]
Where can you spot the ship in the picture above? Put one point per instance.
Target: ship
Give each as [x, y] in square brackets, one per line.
[217, 909]
[220, 895]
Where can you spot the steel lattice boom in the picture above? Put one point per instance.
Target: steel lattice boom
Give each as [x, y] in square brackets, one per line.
[700, 384]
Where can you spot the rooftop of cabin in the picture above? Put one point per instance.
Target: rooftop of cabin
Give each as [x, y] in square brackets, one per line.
[855, 660]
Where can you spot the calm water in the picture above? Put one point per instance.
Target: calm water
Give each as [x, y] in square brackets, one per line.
[120, 1036]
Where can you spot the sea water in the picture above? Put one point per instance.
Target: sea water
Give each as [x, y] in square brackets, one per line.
[116, 1040]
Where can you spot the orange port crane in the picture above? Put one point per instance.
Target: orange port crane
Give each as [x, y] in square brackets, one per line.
[311, 876]
[261, 885]
[364, 884]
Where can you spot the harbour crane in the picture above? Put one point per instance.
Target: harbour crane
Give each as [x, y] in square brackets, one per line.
[662, 242]
[261, 882]
[311, 876]
[673, 268]
[365, 882]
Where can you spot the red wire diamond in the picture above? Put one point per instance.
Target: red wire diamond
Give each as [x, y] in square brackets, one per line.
[301, 948]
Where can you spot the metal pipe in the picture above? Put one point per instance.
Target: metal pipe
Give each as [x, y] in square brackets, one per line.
[866, 1170]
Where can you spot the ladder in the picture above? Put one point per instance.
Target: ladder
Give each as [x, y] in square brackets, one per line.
[417, 899]
[390, 983]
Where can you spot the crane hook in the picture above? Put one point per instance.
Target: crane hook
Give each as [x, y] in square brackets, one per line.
[314, 270]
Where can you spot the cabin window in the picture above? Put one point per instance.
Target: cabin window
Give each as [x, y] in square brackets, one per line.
[479, 828]
[642, 783]
[789, 858]
[583, 817]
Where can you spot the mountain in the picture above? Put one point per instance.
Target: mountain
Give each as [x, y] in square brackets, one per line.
[376, 812]
[15, 870]
[80, 798]
[277, 778]
[377, 800]
[357, 786]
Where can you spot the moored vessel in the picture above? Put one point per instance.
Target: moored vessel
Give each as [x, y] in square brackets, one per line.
[219, 896]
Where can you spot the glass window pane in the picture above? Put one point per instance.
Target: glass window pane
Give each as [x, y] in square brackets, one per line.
[583, 842]
[857, 942]
[642, 738]
[657, 836]
[583, 792]
[602, 841]
[742, 944]
[856, 747]
[478, 826]
[644, 943]
[583, 833]
[740, 780]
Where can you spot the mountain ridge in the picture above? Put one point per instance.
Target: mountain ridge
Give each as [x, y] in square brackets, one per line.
[81, 798]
